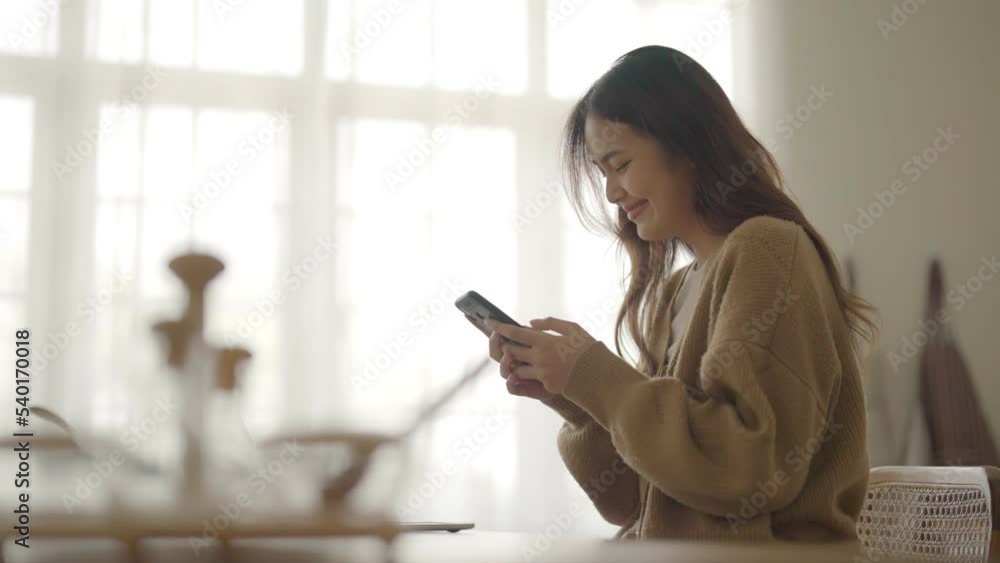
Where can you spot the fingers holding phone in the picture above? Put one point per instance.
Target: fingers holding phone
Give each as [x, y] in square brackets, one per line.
[479, 326]
[507, 363]
[528, 388]
[477, 309]
[496, 341]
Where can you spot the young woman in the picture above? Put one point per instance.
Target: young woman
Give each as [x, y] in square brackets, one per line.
[744, 419]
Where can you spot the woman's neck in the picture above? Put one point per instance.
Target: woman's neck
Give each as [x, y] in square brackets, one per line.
[704, 245]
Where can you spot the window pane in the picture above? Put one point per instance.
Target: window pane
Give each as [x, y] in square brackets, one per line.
[379, 41]
[592, 272]
[12, 319]
[383, 164]
[168, 178]
[473, 174]
[13, 244]
[171, 32]
[339, 45]
[29, 27]
[388, 284]
[593, 279]
[156, 167]
[115, 242]
[582, 44]
[411, 250]
[253, 37]
[17, 116]
[476, 39]
[118, 152]
[228, 38]
[115, 30]
[226, 202]
[480, 256]
[237, 158]
[16, 113]
[473, 240]
[204, 181]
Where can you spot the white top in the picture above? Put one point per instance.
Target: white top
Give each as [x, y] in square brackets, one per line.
[687, 296]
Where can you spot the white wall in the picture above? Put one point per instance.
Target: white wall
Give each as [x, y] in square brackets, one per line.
[891, 90]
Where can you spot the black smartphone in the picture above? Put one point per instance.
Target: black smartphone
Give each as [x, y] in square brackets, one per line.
[480, 309]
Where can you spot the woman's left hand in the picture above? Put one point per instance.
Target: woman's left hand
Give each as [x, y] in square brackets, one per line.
[549, 358]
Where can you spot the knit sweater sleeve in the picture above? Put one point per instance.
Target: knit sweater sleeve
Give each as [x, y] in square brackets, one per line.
[590, 456]
[760, 396]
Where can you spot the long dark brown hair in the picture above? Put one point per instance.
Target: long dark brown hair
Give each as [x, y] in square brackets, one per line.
[667, 95]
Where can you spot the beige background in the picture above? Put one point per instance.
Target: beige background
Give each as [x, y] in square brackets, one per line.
[892, 90]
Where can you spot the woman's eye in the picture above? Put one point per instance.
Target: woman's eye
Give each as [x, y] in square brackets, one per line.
[623, 167]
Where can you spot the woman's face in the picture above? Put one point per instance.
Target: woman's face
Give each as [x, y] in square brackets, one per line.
[642, 179]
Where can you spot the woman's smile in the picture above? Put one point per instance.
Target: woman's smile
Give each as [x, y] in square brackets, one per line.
[634, 210]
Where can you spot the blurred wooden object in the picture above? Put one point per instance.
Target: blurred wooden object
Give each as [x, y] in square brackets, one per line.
[201, 369]
[228, 362]
[959, 433]
[132, 527]
[195, 272]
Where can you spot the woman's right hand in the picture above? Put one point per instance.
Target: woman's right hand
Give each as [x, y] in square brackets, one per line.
[515, 386]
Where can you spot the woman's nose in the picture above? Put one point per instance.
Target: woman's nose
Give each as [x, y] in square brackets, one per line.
[613, 190]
